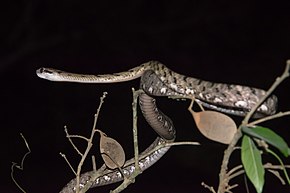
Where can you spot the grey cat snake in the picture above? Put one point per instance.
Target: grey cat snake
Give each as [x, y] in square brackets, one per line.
[158, 80]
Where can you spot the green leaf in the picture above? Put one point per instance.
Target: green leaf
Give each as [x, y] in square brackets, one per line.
[252, 162]
[270, 137]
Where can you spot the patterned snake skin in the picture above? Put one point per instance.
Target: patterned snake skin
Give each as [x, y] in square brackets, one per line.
[158, 80]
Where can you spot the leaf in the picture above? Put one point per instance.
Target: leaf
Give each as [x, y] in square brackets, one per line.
[112, 152]
[252, 162]
[270, 137]
[215, 126]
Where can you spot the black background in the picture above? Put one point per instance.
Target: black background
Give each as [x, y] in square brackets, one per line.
[244, 42]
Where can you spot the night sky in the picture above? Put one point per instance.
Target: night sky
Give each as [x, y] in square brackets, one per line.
[243, 42]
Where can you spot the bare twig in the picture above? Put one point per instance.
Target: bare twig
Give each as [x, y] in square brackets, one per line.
[277, 174]
[71, 142]
[275, 116]
[89, 145]
[272, 169]
[135, 129]
[90, 142]
[281, 163]
[78, 136]
[21, 166]
[267, 166]
[94, 163]
[210, 188]
[234, 169]
[269, 92]
[231, 187]
[137, 171]
[68, 163]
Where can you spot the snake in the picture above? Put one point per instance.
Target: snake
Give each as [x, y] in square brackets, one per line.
[158, 80]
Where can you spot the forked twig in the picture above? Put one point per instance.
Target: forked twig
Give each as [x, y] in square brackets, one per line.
[89, 145]
[21, 166]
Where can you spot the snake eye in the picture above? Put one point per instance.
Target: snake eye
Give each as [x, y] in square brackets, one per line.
[44, 71]
[47, 71]
[40, 70]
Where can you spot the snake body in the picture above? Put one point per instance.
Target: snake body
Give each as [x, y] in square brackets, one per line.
[158, 80]
[229, 98]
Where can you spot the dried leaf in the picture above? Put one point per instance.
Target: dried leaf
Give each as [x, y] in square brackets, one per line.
[112, 152]
[215, 126]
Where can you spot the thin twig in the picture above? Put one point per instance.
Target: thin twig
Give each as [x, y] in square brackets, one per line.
[272, 168]
[267, 166]
[135, 128]
[84, 155]
[71, 142]
[276, 167]
[234, 169]
[268, 93]
[281, 163]
[78, 136]
[131, 179]
[166, 144]
[21, 166]
[210, 188]
[237, 171]
[68, 163]
[231, 187]
[94, 163]
[277, 174]
[90, 142]
[275, 116]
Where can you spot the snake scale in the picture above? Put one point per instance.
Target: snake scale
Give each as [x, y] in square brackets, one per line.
[158, 80]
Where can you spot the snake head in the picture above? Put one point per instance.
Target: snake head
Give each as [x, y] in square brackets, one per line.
[48, 74]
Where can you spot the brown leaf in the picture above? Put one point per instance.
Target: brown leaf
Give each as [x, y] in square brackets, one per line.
[215, 126]
[112, 152]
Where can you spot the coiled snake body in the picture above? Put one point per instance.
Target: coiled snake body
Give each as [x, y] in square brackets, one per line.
[158, 80]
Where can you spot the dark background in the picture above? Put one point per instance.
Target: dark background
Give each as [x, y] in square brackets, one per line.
[244, 42]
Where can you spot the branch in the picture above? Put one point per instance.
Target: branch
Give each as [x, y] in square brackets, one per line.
[90, 142]
[223, 181]
[21, 166]
[89, 145]
[275, 116]
[131, 179]
[268, 93]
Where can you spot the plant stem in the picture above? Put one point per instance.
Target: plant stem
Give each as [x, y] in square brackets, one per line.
[223, 176]
[271, 89]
